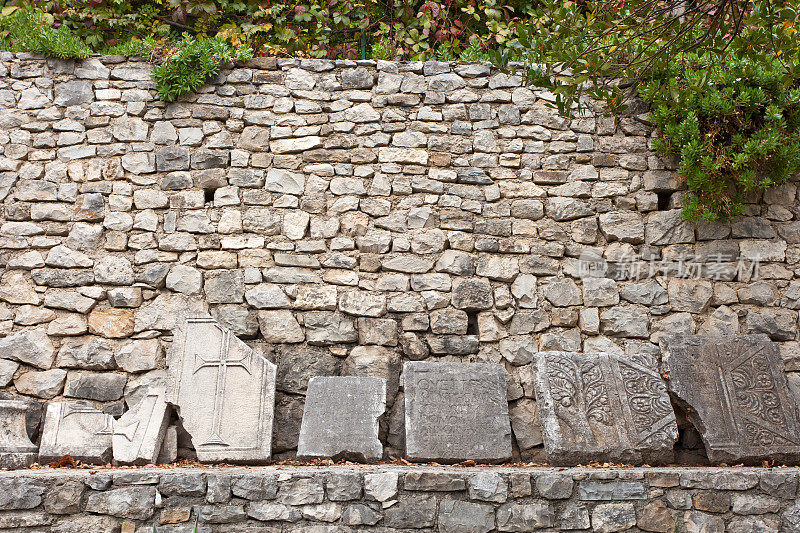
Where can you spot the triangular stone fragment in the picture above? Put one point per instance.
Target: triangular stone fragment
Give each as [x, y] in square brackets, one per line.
[340, 418]
[224, 392]
[78, 429]
[138, 434]
[16, 448]
[603, 407]
[456, 412]
[737, 396]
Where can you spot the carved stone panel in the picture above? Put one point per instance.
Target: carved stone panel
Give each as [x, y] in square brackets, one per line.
[456, 412]
[224, 392]
[139, 433]
[603, 407]
[737, 394]
[341, 418]
[78, 429]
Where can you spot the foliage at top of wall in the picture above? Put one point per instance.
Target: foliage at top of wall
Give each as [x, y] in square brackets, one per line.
[345, 29]
[722, 79]
[27, 30]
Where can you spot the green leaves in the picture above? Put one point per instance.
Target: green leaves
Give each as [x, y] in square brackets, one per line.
[26, 30]
[191, 62]
[723, 85]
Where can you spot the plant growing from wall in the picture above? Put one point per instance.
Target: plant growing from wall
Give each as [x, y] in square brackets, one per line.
[190, 63]
[722, 78]
[29, 30]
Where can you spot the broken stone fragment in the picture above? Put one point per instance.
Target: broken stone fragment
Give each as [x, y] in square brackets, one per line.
[224, 392]
[340, 418]
[737, 394]
[77, 429]
[16, 448]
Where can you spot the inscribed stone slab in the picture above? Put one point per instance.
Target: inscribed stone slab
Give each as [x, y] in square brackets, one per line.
[138, 434]
[456, 412]
[341, 418]
[16, 448]
[224, 392]
[77, 429]
[738, 396]
[603, 407]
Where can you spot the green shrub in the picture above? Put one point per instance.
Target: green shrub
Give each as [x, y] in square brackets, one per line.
[735, 125]
[27, 30]
[723, 85]
[135, 47]
[191, 62]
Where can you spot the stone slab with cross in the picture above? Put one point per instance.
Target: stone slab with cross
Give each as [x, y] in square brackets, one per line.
[456, 412]
[224, 392]
[341, 417]
[736, 394]
[603, 407]
[76, 428]
[139, 433]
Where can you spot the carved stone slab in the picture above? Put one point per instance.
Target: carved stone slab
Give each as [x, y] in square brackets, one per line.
[224, 392]
[341, 418]
[78, 429]
[737, 394]
[138, 434]
[16, 448]
[456, 412]
[603, 407]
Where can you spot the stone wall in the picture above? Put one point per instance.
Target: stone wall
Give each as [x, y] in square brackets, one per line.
[344, 217]
[454, 500]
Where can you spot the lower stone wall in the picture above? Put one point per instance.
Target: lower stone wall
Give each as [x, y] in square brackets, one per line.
[394, 498]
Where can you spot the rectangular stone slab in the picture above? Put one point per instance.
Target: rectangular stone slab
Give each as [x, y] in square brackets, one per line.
[737, 394]
[224, 392]
[77, 429]
[603, 407]
[340, 418]
[456, 412]
[138, 434]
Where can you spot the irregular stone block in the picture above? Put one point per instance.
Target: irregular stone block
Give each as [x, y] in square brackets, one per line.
[138, 434]
[77, 429]
[603, 407]
[456, 412]
[16, 448]
[225, 392]
[341, 416]
[738, 396]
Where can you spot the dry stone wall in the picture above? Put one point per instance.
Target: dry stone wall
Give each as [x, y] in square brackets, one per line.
[343, 217]
[387, 499]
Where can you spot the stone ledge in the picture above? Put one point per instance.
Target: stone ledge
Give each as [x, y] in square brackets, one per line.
[392, 498]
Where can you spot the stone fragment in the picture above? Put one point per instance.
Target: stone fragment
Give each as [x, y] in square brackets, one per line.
[30, 346]
[603, 407]
[465, 517]
[279, 326]
[139, 433]
[340, 419]
[78, 429]
[99, 386]
[16, 448]
[737, 394]
[134, 502]
[524, 517]
[225, 392]
[612, 517]
[456, 411]
[44, 384]
[112, 323]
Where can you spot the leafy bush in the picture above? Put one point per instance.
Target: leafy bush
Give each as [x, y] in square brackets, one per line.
[27, 30]
[397, 29]
[722, 80]
[734, 124]
[191, 62]
[135, 47]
